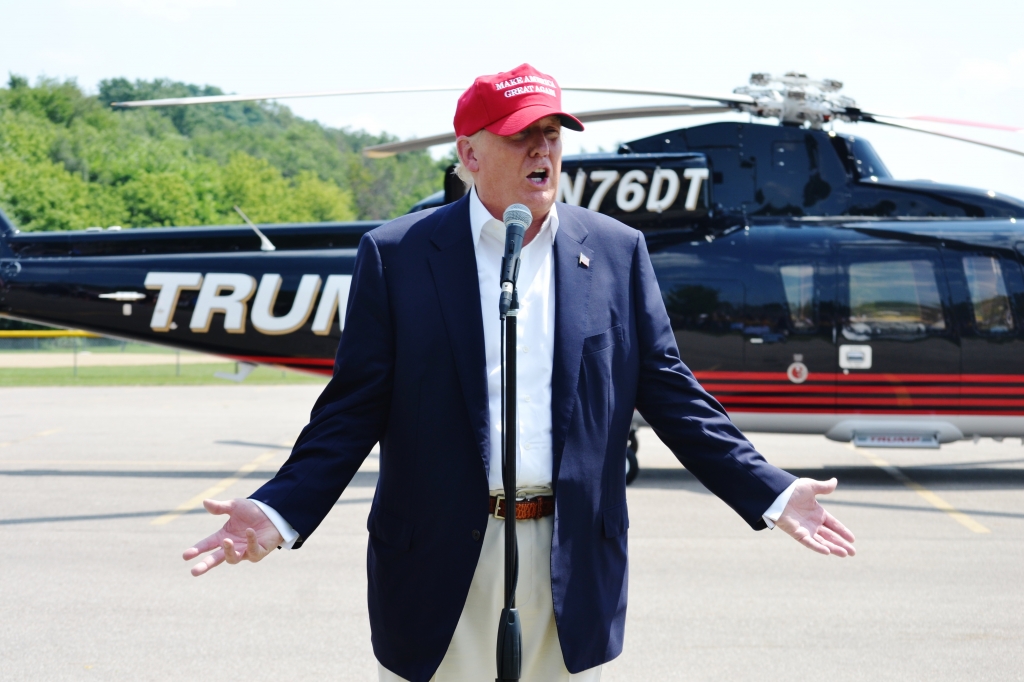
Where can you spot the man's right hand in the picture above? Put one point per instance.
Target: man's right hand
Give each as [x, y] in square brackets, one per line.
[246, 526]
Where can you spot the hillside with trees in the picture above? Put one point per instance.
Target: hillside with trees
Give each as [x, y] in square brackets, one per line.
[68, 161]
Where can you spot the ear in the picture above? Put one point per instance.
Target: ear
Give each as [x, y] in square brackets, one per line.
[467, 154]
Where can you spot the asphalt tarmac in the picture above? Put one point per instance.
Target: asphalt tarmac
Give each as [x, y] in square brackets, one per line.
[100, 492]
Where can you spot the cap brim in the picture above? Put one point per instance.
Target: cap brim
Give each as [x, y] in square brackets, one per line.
[527, 116]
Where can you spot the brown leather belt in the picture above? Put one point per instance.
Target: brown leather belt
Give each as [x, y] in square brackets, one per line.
[534, 508]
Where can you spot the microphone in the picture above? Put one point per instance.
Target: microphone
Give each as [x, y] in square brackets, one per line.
[517, 220]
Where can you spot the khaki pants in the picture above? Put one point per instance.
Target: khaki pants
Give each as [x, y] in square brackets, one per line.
[470, 656]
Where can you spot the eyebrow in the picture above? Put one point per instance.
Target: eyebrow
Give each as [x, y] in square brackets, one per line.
[544, 129]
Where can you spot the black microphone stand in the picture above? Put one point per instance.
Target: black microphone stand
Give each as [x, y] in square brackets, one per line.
[510, 635]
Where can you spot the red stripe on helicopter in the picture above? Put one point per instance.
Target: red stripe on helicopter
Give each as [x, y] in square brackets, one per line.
[321, 366]
[906, 399]
[758, 376]
[278, 360]
[862, 378]
[876, 411]
[798, 389]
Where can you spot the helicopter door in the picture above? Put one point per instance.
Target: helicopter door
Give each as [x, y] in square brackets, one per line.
[898, 352]
[990, 293]
[789, 354]
[705, 316]
[992, 337]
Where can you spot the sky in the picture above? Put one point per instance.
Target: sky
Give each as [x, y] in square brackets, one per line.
[952, 59]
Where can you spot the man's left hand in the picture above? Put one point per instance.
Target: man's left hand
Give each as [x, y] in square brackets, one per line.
[809, 523]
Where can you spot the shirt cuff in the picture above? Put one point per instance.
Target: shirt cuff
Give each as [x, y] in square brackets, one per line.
[289, 534]
[774, 512]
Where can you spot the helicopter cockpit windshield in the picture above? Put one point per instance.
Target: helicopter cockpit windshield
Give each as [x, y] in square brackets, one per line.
[868, 162]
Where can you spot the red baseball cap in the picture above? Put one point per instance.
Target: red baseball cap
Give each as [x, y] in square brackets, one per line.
[507, 102]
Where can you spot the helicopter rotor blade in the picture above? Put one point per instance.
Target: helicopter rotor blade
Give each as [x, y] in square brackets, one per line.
[221, 99]
[954, 121]
[724, 99]
[381, 151]
[649, 112]
[960, 138]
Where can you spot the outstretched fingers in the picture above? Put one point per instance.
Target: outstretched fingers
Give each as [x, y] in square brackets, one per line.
[231, 555]
[218, 507]
[833, 524]
[222, 544]
[836, 542]
[212, 560]
[813, 527]
[253, 550]
[812, 543]
[204, 545]
[210, 541]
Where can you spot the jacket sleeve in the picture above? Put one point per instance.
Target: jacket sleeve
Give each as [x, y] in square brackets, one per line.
[350, 415]
[687, 418]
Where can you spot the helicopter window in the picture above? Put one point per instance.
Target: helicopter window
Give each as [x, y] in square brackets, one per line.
[706, 316]
[798, 282]
[893, 298]
[868, 162]
[988, 294]
[708, 305]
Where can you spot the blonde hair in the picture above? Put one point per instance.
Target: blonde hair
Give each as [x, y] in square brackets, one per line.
[463, 174]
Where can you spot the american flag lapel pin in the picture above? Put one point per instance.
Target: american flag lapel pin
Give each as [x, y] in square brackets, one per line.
[584, 261]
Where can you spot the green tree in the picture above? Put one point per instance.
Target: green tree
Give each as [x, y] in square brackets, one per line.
[316, 200]
[161, 198]
[67, 161]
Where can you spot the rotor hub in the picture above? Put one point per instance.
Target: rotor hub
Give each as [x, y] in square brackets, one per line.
[795, 99]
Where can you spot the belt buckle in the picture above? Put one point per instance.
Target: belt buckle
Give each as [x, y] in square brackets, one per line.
[498, 499]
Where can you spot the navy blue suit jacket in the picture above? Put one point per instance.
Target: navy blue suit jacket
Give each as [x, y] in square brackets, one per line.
[410, 373]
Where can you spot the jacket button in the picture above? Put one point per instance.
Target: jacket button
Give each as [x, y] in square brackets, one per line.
[475, 534]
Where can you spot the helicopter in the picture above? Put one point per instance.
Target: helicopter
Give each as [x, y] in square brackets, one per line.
[809, 290]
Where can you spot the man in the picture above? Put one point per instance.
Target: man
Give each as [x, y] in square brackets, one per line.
[418, 371]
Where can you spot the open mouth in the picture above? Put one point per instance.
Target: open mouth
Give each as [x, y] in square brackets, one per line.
[538, 177]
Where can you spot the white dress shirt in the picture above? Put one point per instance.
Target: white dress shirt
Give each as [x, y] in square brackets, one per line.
[536, 347]
[535, 344]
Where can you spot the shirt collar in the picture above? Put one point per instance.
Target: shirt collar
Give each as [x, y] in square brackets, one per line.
[481, 221]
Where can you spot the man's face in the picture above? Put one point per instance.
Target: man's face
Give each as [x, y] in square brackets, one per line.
[517, 169]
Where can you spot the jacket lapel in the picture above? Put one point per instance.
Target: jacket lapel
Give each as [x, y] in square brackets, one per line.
[453, 267]
[572, 299]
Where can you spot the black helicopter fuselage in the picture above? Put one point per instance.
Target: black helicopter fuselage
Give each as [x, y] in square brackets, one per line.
[809, 291]
[762, 170]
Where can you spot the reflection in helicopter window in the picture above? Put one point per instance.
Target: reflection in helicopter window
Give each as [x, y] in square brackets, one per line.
[988, 294]
[706, 319]
[798, 281]
[893, 298]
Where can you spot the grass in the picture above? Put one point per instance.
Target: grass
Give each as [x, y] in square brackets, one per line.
[149, 375]
[95, 346]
